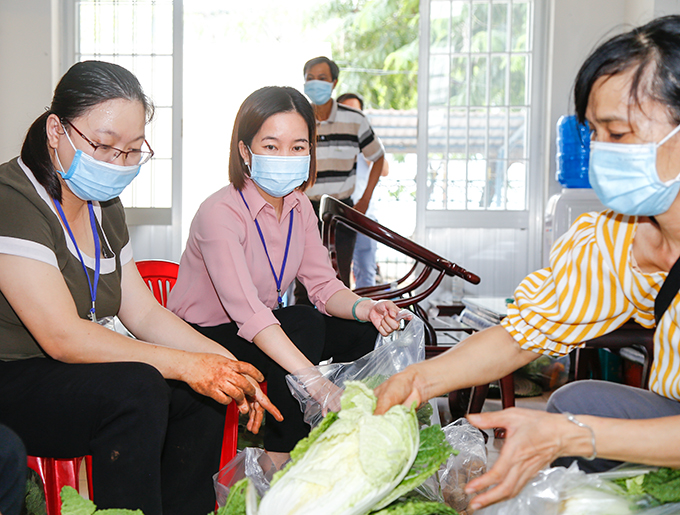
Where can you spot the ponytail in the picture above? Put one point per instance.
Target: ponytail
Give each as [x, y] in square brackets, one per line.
[35, 153]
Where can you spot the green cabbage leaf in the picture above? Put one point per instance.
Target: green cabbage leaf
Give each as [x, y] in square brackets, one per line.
[432, 452]
[73, 504]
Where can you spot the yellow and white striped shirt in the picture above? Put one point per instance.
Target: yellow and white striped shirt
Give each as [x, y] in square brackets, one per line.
[592, 287]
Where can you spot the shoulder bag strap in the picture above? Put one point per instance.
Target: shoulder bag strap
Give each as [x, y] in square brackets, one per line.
[667, 293]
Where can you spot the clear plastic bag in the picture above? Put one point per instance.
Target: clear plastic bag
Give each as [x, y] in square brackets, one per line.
[548, 372]
[569, 491]
[448, 485]
[251, 462]
[318, 389]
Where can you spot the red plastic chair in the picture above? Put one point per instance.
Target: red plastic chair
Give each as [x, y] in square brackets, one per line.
[160, 276]
[57, 473]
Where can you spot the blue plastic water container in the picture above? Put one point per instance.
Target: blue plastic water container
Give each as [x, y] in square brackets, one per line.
[573, 153]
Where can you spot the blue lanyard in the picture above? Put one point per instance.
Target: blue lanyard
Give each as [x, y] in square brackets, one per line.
[97, 253]
[285, 255]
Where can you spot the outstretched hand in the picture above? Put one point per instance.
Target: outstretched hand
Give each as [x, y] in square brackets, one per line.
[534, 439]
[401, 388]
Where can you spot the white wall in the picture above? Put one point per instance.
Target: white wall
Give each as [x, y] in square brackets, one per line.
[663, 7]
[27, 61]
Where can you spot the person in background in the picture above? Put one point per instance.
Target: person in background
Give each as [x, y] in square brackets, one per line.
[364, 266]
[608, 268]
[149, 410]
[342, 134]
[12, 472]
[250, 240]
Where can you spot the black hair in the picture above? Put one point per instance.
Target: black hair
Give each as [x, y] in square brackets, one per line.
[347, 96]
[335, 71]
[84, 86]
[652, 50]
[252, 114]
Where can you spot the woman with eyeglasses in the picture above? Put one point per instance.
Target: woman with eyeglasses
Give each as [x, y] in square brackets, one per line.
[149, 410]
[610, 267]
[247, 244]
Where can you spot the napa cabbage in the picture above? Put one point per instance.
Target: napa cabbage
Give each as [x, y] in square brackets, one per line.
[345, 466]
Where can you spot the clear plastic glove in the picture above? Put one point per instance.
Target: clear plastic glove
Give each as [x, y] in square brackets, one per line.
[323, 391]
[318, 388]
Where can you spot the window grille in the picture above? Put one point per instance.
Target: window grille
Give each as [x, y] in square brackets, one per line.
[480, 59]
[138, 35]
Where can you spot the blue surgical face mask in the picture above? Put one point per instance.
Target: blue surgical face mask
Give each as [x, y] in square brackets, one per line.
[318, 91]
[90, 179]
[278, 175]
[625, 178]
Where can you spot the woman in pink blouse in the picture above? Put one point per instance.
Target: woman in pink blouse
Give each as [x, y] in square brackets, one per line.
[250, 240]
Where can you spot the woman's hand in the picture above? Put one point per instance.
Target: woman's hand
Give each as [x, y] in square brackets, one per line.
[534, 439]
[401, 388]
[256, 409]
[224, 379]
[383, 315]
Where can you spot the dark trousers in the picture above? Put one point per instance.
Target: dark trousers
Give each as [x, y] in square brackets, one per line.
[319, 337]
[345, 238]
[12, 472]
[154, 443]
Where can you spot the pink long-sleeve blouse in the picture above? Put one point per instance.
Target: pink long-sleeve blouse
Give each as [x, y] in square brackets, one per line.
[224, 273]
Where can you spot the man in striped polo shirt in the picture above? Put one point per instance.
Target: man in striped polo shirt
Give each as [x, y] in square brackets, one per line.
[342, 133]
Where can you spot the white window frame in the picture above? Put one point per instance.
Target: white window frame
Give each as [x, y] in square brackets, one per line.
[171, 216]
[530, 219]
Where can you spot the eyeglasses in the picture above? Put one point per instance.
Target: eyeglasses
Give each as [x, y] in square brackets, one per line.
[107, 153]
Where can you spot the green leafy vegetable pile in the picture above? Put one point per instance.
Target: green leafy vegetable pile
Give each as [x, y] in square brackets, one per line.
[73, 504]
[662, 484]
[353, 463]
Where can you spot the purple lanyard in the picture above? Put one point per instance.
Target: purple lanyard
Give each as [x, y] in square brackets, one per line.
[285, 255]
[97, 252]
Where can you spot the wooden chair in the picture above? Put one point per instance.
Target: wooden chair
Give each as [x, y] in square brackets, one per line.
[630, 334]
[410, 289]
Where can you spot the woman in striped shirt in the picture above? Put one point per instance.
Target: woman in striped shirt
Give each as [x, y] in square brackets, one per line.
[607, 269]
